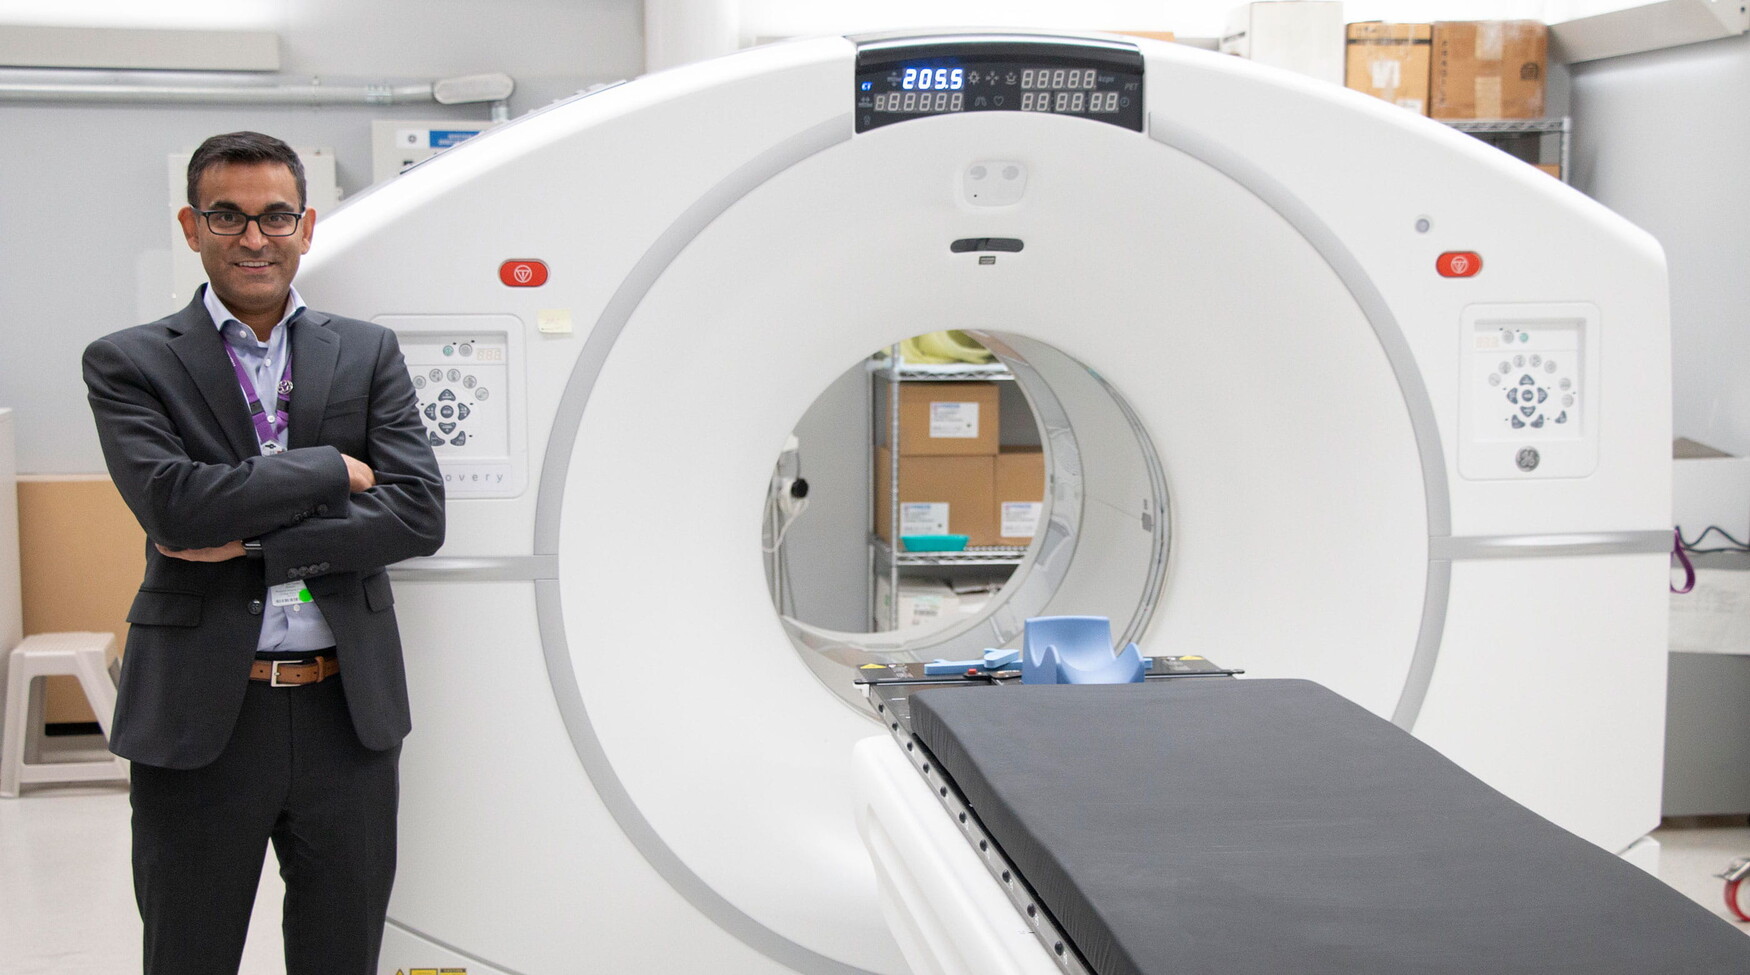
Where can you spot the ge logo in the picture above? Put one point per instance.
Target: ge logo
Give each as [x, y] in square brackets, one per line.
[1527, 459]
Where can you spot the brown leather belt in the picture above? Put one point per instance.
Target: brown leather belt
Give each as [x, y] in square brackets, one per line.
[291, 673]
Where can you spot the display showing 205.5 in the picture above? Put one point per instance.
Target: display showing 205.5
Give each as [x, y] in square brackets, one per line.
[1103, 84]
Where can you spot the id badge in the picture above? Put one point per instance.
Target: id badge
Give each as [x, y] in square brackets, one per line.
[272, 447]
[290, 594]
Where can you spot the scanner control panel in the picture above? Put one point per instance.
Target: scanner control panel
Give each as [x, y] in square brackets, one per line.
[1528, 407]
[466, 374]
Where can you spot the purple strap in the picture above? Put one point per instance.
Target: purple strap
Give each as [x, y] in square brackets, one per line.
[267, 430]
[1688, 567]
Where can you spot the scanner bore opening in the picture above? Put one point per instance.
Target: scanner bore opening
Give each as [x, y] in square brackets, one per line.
[1100, 546]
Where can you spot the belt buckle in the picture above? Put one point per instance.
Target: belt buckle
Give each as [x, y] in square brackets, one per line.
[273, 679]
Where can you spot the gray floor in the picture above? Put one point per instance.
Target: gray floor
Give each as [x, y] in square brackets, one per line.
[66, 902]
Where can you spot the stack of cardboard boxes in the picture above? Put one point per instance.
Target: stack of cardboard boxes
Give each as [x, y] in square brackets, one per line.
[1488, 69]
[955, 478]
[1491, 69]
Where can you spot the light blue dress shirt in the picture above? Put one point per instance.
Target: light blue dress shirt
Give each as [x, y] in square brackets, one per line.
[299, 627]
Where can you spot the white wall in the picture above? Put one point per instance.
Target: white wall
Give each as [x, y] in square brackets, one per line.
[85, 231]
[1664, 139]
[1187, 18]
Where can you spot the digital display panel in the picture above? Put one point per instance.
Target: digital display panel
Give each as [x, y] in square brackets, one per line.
[900, 82]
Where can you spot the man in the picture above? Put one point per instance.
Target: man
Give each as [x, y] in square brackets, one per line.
[274, 457]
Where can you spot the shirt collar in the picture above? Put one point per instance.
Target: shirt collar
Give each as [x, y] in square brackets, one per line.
[221, 315]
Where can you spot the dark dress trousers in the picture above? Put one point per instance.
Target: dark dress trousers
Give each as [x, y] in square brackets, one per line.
[181, 449]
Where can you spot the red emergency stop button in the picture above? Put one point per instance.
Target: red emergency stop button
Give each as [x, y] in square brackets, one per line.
[1459, 264]
[523, 274]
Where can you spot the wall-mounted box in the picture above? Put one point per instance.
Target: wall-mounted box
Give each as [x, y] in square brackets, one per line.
[1709, 487]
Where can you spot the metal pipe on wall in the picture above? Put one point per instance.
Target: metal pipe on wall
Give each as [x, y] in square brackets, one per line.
[495, 88]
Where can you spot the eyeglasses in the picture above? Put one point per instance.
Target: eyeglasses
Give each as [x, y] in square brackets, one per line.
[232, 223]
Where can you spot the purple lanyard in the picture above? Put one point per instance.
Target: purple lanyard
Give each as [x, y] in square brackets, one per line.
[267, 430]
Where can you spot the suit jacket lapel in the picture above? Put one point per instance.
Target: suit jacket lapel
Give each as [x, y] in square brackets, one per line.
[315, 351]
[202, 352]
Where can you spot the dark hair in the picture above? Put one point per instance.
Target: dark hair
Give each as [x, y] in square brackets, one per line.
[246, 148]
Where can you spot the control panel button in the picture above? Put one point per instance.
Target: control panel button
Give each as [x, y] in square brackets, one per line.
[1458, 264]
[447, 395]
[461, 439]
[434, 439]
[446, 428]
[1538, 423]
[1524, 380]
[522, 274]
[1523, 411]
[481, 393]
[468, 382]
[447, 412]
[1542, 394]
[1563, 418]
[431, 411]
[461, 411]
[1518, 424]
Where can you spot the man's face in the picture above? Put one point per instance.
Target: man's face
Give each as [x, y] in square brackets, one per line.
[251, 273]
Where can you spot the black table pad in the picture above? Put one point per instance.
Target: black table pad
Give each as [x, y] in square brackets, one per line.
[1273, 827]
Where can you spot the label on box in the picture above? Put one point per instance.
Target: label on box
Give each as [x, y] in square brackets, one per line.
[921, 609]
[923, 518]
[957, 420]
[1021, 518]
[1386, 74]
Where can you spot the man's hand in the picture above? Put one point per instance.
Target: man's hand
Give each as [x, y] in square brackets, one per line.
[359, 476]
[221, 553]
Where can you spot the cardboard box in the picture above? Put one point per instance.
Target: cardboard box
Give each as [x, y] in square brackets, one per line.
[1300, 35]
[949, 495]
[922, 602]
[1488, 69]
[1390, 61]
[1554, 169]
[938, 419]
[1020, 494]
[82, 556]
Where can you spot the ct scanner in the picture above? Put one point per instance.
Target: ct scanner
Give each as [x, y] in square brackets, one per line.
[1327, 389]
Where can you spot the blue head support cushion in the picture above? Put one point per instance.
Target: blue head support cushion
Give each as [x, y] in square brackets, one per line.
[1076, 650]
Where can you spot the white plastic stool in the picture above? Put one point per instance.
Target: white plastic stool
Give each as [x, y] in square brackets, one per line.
[81, 655]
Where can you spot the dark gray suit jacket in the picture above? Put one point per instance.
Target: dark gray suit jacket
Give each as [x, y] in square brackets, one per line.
[178, 441]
